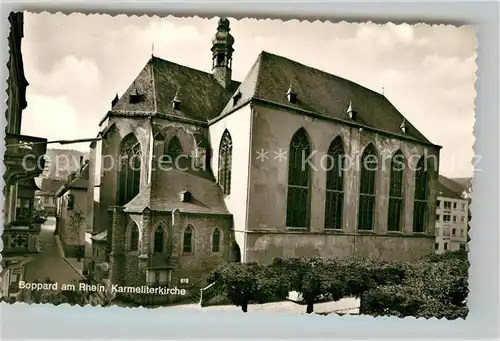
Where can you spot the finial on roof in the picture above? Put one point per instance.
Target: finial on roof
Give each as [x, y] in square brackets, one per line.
[153, 49]
[114, 101]
[291, 95]
[351, 111]
[176, 102]
[223, 23]
[383, 91]
[403, 126]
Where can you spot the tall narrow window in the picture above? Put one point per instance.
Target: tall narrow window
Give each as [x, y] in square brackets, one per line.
[187, 245]
[216, 240]
[396, 192]
[159, 240]
[225, 162]
[134, 237]
[297, 209]
[334, 185]
[174, 147]
[420, 209]
[369, 165]
[130, 169]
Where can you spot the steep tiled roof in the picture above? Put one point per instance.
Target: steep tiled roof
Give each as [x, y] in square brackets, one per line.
[201, 96]
[203, 99]
[321, 93]
[102, 236]
[167, 184]
[466, 183]
[51, 185]
[448, 188]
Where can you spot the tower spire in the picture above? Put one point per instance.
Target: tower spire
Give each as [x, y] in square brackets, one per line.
[222, 53]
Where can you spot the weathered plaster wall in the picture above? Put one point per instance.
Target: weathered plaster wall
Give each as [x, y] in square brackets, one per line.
[74, 223]
[239, 125]
[268, 191]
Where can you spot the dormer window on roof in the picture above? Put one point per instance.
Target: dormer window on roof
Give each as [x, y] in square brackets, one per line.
[236, 98]
[291, 95]
[136, 96]
[176, 102]
[351, 112]
[403, 126]
[185, 196]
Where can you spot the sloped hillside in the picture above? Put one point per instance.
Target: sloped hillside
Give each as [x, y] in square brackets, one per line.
[61, 162]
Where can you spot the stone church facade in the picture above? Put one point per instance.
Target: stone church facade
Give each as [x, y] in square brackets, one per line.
[182, 187]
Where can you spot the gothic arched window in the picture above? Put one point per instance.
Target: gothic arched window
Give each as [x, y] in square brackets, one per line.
[298, 197]
[129, 172]
[159, 239]
[369, 165]
[134, 237]
[225, 162]
[174, 147]
[216, 240]
[421, 196]
[396, 199]
[334, 185]
[188, 240]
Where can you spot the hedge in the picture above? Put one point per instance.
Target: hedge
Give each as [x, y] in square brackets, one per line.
[434, 286]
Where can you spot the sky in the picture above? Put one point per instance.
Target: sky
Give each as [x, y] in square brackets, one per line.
[76, 64]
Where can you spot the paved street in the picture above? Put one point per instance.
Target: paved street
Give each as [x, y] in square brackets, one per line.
[49, 263]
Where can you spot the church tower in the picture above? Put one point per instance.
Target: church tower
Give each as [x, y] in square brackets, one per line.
[222, 53]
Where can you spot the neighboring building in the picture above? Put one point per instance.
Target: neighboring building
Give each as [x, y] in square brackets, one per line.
[47, 195]
[220, 202]
[72, 212]
[452, 218]
[23, 161]
[62, 162]
[466, 184]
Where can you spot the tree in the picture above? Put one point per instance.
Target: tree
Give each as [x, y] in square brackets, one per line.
[244, 282]
[313, 278]
[436, 286]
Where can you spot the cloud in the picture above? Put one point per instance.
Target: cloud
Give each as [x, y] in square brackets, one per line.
[78, 76]
[164, 32]
[50, 117]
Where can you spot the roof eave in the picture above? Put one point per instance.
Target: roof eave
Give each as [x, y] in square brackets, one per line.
[334, 119]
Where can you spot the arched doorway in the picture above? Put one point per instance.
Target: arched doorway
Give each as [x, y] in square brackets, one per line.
[236, 253]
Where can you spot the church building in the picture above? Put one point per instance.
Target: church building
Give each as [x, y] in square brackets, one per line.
[198, 169]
